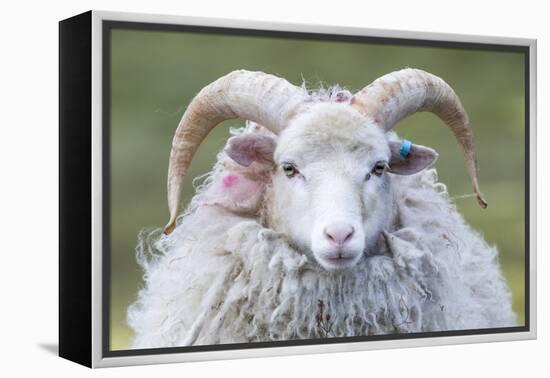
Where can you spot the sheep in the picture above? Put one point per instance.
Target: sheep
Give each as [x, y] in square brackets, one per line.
[316, 221]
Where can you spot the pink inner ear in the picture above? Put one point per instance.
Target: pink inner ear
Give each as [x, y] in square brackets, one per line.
[419, 158]
[230, 180]
[247, 148]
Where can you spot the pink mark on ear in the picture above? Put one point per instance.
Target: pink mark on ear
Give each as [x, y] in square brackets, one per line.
[230, 180]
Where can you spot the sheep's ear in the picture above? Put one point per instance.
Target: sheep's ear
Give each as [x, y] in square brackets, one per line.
[418, 158]
[247, 148]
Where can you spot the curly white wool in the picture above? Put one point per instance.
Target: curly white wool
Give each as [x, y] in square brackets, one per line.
[234, 280]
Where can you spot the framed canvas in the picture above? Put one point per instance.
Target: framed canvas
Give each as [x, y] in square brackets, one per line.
[232, 189]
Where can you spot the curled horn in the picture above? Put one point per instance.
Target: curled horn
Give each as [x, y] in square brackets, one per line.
[399, 94]
[266, 99]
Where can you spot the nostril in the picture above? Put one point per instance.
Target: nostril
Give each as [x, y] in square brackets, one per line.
[349, 235]
[339, 233]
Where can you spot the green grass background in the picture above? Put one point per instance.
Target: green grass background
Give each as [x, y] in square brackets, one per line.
[155, 74]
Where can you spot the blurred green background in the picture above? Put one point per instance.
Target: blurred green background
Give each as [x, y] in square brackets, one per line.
[155, 74]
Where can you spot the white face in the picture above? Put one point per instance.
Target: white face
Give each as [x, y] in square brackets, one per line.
[331, 189]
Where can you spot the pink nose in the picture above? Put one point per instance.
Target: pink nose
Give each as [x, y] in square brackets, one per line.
[339, 233]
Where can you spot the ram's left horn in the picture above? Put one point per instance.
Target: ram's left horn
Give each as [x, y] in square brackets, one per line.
[402, 93]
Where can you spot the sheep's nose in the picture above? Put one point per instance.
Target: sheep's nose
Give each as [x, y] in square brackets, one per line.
[339, 233]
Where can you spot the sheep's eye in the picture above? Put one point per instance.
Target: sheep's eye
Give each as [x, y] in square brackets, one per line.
[378, 168]
[289, 169]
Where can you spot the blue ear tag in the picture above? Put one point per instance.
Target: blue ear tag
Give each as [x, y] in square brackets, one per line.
[405, 148]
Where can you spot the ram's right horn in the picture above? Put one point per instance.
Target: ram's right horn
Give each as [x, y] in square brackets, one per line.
[266, 99]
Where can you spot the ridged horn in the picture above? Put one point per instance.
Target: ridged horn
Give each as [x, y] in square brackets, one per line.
[266, 99]
[400, 94]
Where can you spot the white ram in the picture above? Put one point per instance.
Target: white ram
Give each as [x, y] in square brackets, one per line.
[318, 223]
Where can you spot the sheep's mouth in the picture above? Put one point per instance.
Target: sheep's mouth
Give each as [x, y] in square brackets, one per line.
[338, 262]
[340, 258]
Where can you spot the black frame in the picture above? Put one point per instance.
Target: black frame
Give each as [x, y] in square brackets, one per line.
[75, 188]
[75, 151]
